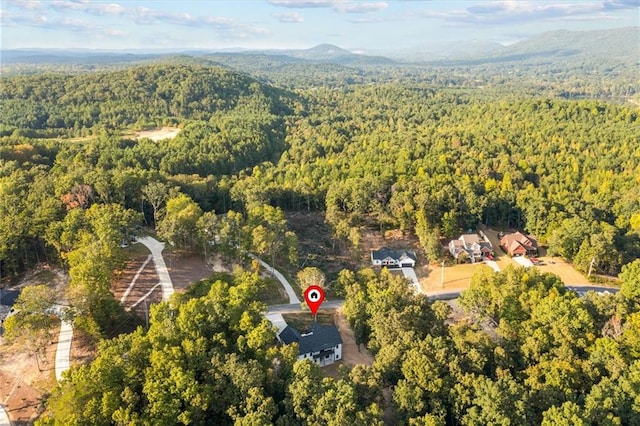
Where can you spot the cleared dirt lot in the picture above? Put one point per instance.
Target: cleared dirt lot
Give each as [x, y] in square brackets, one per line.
[158, 134]
[25, 380]
[137, 281]
[185, 269]
[351, 354]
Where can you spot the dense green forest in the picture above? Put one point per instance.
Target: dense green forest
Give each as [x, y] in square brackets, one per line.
[547, 357]
[383, 155]
[428, 157]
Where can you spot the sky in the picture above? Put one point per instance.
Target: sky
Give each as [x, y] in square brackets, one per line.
[278, 24]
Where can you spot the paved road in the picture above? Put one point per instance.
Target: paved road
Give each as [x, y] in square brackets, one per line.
[581, 289]
[438, 295]
[297, 307]
[293, 298]
[156, 247]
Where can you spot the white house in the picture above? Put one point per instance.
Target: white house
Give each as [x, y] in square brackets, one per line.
[475, 246]
[322, 344]
[393, 258]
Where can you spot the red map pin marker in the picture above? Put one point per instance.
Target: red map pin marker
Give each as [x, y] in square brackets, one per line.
[314, 296]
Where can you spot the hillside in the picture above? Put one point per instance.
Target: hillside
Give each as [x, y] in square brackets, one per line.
[140, 95]
[608, 46]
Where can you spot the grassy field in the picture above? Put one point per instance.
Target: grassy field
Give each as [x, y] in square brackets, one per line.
[302, 321]
[567, 273]
[455, 277]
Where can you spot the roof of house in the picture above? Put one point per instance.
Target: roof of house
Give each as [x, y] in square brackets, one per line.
[320, 337]
[513, 242]
[8, 297]
[385, 252]
[469, 239]
[486, 245]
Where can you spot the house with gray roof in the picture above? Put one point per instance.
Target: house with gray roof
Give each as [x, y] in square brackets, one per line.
[322, 344]
[393, 258]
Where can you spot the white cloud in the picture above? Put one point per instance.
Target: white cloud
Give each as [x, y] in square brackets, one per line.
[26, 4]
[514, 11]
[343, 6]
[304, 4]
[352, 7]
[289, 18]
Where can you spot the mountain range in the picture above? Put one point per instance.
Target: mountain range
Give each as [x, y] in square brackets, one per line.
[618, 45]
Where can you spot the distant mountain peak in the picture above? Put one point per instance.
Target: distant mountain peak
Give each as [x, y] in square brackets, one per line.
[329, 49]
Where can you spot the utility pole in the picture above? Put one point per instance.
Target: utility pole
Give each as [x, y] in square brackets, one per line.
[146, 314]
[442, 276]
[593, 261]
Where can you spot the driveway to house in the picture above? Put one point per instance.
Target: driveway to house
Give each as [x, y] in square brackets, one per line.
[293, 298]
[492, 264]
[278, 321]
[410, 274]
[63, 350]
[4, 417]
[156, 247]
[523, 261]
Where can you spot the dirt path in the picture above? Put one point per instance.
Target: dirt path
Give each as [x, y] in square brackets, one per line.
[351, 354]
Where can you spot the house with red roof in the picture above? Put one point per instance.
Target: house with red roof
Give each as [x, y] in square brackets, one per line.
[519, 244]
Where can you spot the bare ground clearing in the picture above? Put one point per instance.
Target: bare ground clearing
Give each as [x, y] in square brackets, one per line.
[186, 268]
[145, 282]
[158, 134]
[25, 380]
[351, 354]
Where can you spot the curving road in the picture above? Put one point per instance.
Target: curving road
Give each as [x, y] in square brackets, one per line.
[156, 247]
[293, 298]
